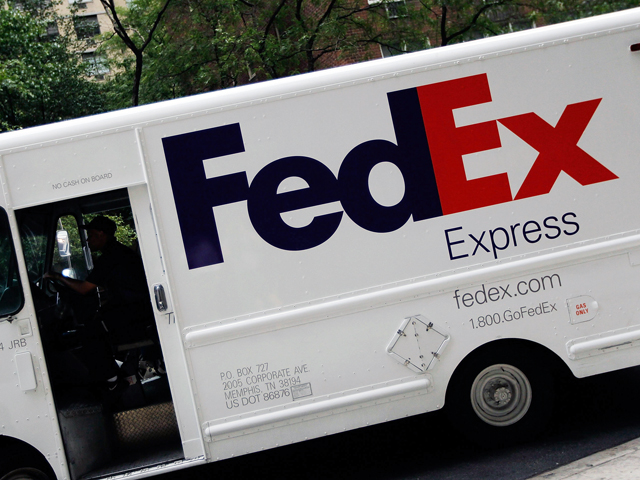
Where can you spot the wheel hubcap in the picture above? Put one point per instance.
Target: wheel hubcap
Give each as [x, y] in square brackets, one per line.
[501, 395]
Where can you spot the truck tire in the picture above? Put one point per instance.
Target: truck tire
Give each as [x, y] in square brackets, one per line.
[501, 396]
[26, 473]
[20, 461]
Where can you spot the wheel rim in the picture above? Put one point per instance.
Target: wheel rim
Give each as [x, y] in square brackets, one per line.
[501, 395]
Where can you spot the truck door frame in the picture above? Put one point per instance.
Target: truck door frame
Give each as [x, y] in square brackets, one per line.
[31, 436]
[168, 328]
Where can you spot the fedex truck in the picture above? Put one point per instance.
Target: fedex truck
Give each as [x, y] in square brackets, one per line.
[452, 228]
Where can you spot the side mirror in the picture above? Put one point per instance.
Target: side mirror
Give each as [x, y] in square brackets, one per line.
[64, 246]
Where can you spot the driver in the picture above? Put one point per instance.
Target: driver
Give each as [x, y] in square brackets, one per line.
[124, 307]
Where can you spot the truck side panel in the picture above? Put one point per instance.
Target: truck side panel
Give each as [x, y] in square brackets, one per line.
[310, 125]
[65, 168]
[287, 322]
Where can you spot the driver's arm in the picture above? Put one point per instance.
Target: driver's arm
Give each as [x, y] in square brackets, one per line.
[79, 286]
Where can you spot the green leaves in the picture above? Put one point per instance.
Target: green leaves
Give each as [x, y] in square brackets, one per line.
[207, 45]
[41, 79]
[172, 48]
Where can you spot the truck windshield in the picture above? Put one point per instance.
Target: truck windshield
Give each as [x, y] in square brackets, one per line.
[11, 295]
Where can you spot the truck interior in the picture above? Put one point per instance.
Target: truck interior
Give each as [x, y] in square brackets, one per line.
[105, 432]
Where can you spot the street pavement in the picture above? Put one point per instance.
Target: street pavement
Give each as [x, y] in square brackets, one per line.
[619, 463]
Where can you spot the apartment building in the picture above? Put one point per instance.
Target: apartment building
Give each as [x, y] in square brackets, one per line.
[90, 21]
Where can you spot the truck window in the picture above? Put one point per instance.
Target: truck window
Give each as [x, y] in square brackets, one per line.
[33, 234]
[11, 295]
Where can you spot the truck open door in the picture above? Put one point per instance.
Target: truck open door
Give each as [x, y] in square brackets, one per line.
[99, 433]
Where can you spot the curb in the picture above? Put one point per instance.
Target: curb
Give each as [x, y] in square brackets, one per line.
[621, 462]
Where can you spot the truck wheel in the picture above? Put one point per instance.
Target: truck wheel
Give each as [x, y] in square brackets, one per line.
[26, 473]
[501, 397]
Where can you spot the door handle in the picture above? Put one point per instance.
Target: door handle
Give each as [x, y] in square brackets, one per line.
[161, 298]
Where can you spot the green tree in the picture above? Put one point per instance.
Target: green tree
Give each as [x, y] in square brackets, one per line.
[42, 80]
[433, 23]
[185, 47]
[207, 45]
[555, 11]
[134, 29]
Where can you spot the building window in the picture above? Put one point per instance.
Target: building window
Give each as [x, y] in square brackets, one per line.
[396, 9]
[399, 48]
[18, 5]
[98, 67]
[52, 29]
[87, 27]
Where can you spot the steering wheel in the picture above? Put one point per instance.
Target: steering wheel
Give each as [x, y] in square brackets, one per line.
[58, 286]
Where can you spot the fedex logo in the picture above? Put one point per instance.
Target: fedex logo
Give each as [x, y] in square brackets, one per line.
[428, 152]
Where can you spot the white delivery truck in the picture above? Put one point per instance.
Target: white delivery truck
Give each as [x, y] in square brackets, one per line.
[453, 228]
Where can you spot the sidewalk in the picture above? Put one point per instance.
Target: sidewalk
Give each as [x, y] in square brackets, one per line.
[617, 463]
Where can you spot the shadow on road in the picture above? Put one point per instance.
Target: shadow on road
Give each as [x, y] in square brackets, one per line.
[593, 414]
